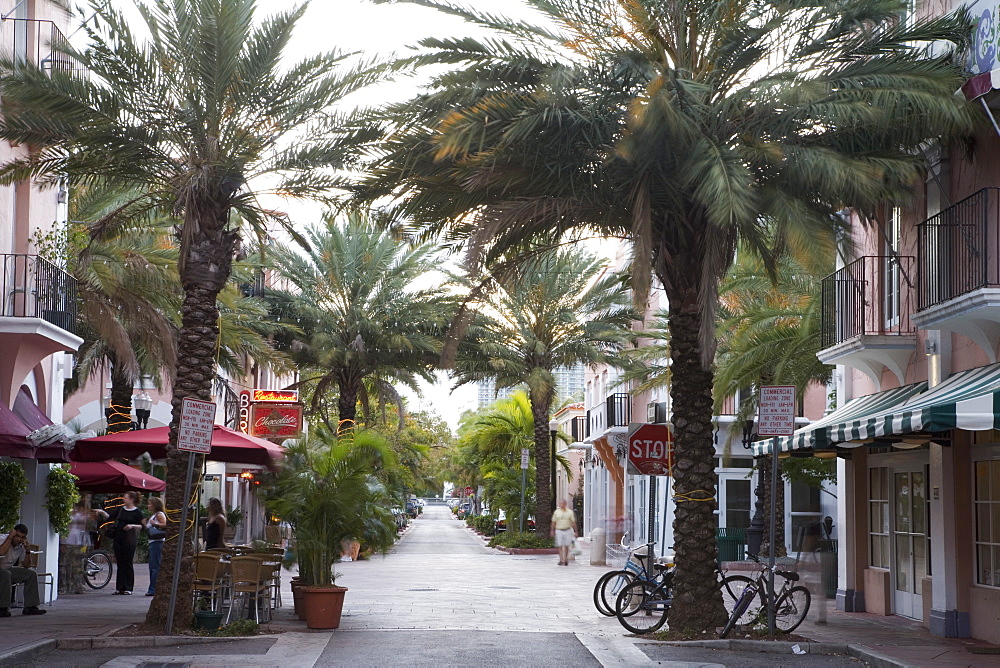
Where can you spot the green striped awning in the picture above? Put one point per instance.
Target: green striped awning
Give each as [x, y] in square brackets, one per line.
[967, 400]
[818, 434]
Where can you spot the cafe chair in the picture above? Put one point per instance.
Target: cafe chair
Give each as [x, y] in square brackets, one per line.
[208, 578]
[250, 583]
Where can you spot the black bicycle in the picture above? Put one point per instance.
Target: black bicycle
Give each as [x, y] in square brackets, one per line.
[791, 602]
[97, 569]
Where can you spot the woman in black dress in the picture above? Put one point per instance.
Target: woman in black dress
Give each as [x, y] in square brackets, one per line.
[128, 522]
[216, 525]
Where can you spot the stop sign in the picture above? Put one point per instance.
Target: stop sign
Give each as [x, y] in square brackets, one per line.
[651, 449]
[468, 491]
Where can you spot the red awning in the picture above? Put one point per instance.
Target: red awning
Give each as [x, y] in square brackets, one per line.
[113, 477]
[30, 414]
[14, 436]
[981, 84]
[228, 445]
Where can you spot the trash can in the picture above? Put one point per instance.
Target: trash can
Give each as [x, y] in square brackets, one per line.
[828, 567]
[732, 543]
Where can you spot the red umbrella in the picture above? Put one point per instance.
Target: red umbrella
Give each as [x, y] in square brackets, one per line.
[113, 477]
[228, 445]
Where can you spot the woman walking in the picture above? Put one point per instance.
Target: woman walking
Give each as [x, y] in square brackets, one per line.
[156, 528]
[128, 522]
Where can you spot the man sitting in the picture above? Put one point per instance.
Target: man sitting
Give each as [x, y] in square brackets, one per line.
[13, 559]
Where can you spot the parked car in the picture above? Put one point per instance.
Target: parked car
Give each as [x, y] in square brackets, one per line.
[501, 523]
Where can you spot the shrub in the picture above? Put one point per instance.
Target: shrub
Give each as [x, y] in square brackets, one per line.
[482, 523]
[521, 540]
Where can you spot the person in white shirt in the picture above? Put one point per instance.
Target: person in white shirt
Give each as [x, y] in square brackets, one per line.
[13, 570]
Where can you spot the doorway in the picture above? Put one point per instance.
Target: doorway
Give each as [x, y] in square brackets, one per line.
[909, 540]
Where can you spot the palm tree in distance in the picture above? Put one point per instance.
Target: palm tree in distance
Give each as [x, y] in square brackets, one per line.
[192, 111]
[559, 309]
[364, 315]
[692, 127]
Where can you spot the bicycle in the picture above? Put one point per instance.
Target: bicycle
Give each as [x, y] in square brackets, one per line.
[642, 606]
[791, 602]
[611, 583]
[97, 569]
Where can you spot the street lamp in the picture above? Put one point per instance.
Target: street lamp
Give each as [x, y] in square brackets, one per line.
[143, 405]
[553, 429]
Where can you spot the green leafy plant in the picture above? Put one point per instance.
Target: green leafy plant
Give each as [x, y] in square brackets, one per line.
[233, 516]
[60, 497]
[14, 484]
[521, 540]
[238, 627]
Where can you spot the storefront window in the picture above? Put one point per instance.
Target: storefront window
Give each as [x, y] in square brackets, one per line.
[988, 523]
[878, 517]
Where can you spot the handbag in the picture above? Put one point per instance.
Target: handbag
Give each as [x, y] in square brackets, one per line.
[155, 532]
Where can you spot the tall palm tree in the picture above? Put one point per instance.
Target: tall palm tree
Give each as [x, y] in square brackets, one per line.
[194, 110]
[689, 126]
[358, 297]
[559, 309]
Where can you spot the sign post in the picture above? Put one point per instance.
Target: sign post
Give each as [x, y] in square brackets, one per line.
[525, 457]
[651, 452]
[775, 417]
[194, 434]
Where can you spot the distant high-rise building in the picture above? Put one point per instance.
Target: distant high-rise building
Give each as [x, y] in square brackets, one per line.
[569, 385]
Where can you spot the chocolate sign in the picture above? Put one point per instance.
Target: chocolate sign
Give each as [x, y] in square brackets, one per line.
[276, 420]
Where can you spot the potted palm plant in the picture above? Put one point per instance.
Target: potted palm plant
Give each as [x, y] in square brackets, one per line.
[333, 489]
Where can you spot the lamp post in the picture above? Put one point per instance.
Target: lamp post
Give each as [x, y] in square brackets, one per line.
[143, 405]
[755, 533]
[553, 429]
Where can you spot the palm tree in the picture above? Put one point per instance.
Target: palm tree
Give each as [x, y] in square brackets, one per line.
[691, 127]
[357, 298]
[193, 110]
[559, 309]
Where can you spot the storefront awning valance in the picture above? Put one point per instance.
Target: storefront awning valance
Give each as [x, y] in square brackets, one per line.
[819, 434]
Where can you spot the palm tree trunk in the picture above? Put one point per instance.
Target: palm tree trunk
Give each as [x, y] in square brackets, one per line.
[347, 402]
[540, 405]
[697, 603]
[120, 412]
[206, 269]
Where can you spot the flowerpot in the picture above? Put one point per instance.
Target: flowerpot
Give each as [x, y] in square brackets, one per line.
[297, 596]
[323, 606]
[208, 620]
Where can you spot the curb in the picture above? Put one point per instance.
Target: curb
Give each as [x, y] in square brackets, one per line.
[876, 659]
[29, 652]
[32, 651]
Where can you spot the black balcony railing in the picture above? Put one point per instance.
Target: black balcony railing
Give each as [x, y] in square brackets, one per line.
[230, 401]
[578, 429]
[41, 43]
[33, 287]
[619, 407]
[958, 250]
[872, 295]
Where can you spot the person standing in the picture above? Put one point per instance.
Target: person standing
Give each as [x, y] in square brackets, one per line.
[74, 548]
[14, 559]
[128, 522]
[563, 529]
[216, 526]
[156, 528]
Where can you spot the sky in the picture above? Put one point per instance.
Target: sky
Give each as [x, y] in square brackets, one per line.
[380, 30]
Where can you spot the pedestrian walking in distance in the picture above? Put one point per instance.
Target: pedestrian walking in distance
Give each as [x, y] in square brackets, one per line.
[563, 530]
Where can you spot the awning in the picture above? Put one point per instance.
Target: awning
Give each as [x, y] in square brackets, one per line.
[228, 445]
[828, 430]
[113, 477]
[14, 433]
[30, 414]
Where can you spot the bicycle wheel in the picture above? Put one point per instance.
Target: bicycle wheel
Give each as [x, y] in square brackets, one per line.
[742, 610]
[791, 609]
[607, 589]
[97, 567]
[642, 607]
[733, 587]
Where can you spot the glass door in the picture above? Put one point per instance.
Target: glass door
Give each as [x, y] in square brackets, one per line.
[909, 538]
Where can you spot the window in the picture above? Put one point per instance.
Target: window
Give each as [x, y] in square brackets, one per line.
[988, 523]
[878, 517]
[890, 273]
[738, 504]
[806, 511]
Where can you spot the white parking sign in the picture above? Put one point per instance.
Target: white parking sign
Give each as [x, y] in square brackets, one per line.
[776, 413]
[194, 433]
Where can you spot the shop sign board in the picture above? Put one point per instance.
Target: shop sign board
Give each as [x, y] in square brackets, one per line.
[269, 420]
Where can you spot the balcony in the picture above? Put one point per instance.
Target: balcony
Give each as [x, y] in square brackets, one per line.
[37, 316]
[619, 409]
[40, 43]
[866, 309]
[958, 253]
[579, 429]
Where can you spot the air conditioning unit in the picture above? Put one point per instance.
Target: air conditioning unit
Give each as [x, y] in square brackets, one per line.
[656, 411]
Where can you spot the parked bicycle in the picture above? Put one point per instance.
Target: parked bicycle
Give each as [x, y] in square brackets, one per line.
[611, 583]
[97, 569]
[791, 601]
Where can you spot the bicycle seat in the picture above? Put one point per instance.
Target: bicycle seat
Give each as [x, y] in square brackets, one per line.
[663, 567]
[788, 575]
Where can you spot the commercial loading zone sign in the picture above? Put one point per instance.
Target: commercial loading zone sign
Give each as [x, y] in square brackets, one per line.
[776, 412]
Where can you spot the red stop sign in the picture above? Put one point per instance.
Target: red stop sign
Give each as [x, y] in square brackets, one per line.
[651, 449]
[468, 491]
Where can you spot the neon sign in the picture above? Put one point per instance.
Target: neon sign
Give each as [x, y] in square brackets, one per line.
[276, 396]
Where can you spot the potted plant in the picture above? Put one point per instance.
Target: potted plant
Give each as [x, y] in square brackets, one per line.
[330, 490]
[204, 617]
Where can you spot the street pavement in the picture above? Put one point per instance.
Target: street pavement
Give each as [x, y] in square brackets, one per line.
[440, 597]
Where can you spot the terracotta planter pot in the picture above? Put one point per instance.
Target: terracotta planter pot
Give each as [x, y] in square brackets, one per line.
[297, 595]
[323, 606]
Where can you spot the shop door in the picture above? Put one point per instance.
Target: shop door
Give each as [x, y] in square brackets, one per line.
[909, 540]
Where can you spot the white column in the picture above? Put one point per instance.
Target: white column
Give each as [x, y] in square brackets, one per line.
[946, 620]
